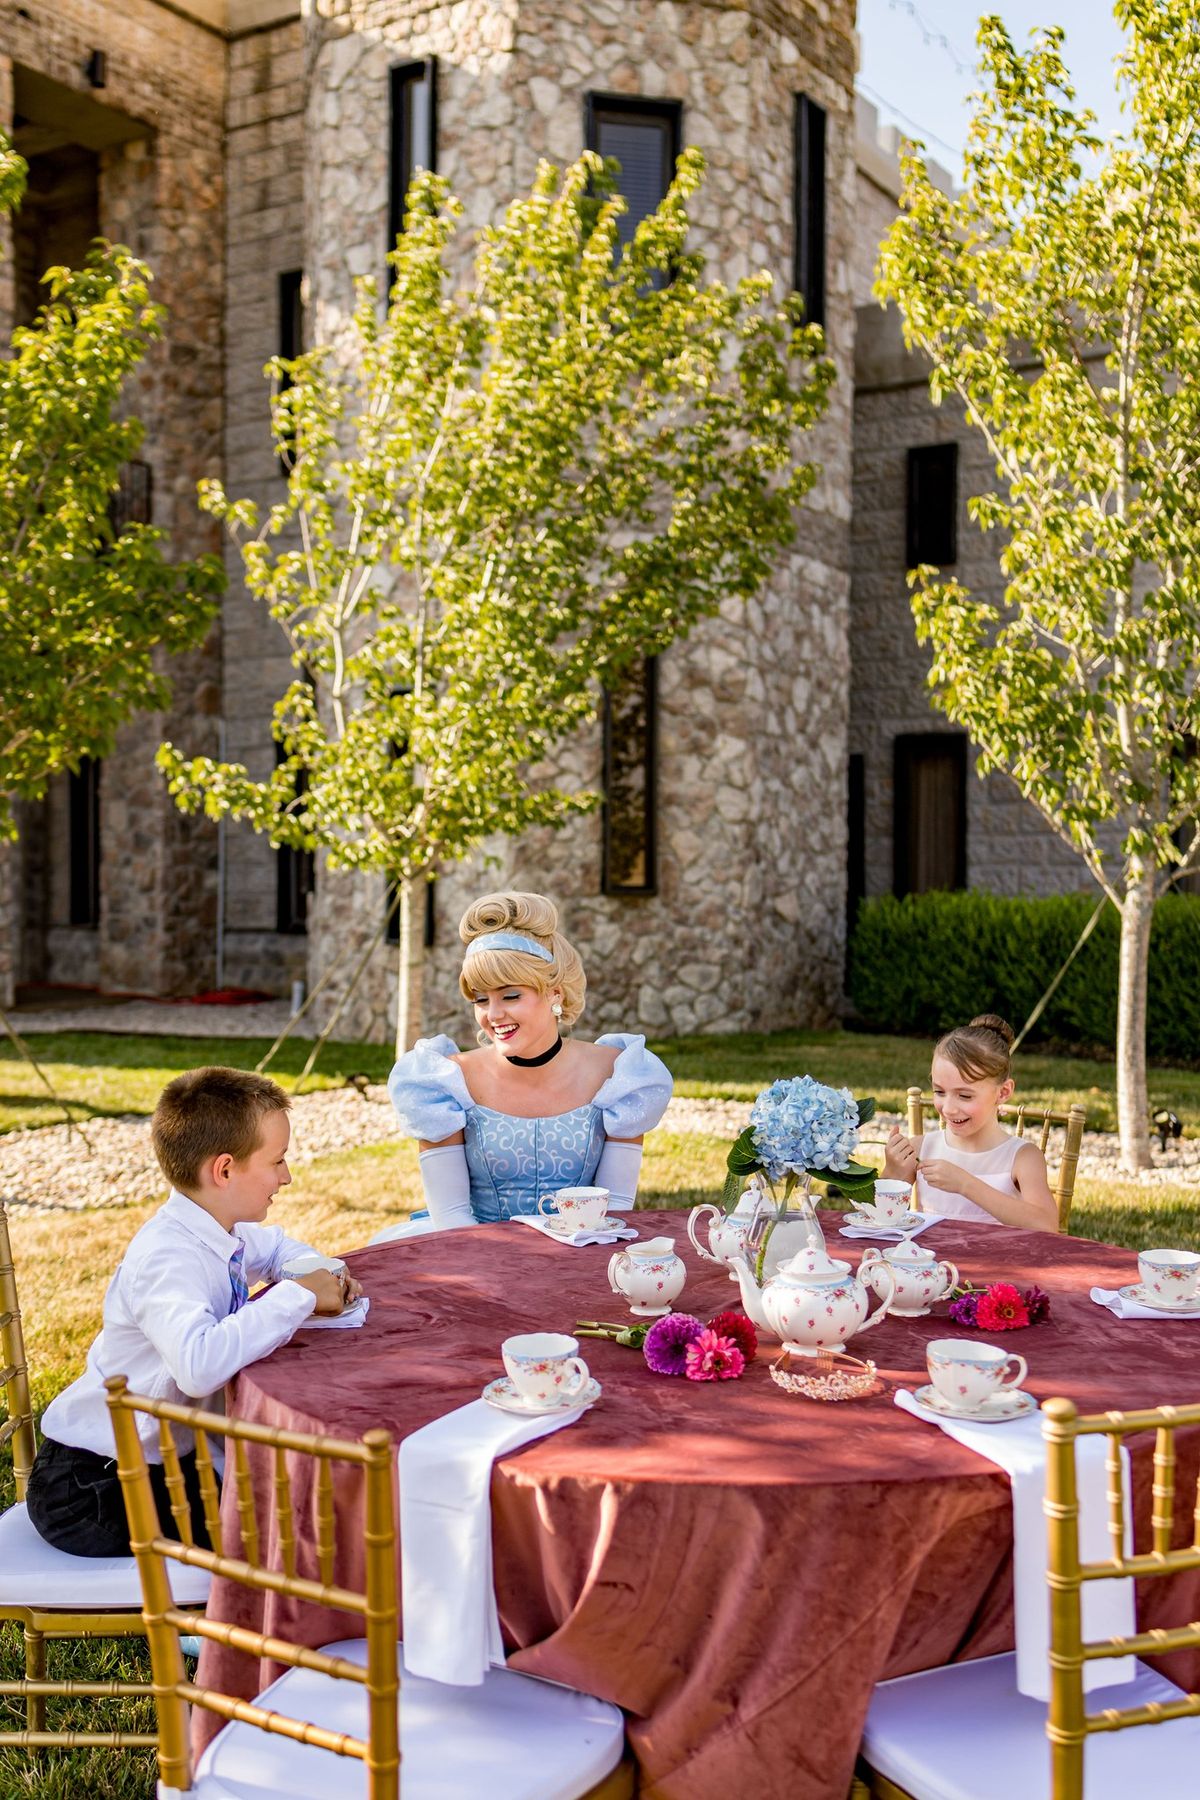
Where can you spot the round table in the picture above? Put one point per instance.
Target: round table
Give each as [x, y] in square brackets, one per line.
[734, 1566]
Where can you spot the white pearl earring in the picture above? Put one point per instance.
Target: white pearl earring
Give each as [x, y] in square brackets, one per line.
[556, 1009]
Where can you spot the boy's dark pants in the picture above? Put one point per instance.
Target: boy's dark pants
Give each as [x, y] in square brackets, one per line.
[74, 1501]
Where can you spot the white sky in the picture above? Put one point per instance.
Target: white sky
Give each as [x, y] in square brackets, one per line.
[921, 83]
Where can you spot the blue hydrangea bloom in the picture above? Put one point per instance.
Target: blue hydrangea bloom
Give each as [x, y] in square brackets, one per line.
[802, 1124]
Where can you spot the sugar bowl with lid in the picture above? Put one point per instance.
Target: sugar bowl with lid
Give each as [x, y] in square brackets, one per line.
[918, 1277]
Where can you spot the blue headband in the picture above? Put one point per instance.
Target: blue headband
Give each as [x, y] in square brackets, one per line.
[508, 940]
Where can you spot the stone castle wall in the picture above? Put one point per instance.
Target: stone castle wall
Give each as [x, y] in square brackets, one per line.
[265, 237]
[746, 927]
[163, 195]
[1010, 849]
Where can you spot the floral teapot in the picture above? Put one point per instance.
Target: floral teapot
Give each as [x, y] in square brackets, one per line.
[813, 1302]
[727, 1231]
[918, 1278]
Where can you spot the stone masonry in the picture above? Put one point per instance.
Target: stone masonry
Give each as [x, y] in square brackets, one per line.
[1010, 849]
[161, 191]
[745, 929]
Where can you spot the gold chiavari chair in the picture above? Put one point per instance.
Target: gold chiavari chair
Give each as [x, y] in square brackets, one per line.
[1022, 1117]
[928, 1734]
[50, 1594]
[339, 1725]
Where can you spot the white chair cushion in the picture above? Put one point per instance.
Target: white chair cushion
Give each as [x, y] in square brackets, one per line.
[513, 1738]
[34, 1574]
[965, 1733]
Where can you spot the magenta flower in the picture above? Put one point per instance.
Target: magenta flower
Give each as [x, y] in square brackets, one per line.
[711, 1357]
[1037, 1304]
[964, 1310]
[667, 1340]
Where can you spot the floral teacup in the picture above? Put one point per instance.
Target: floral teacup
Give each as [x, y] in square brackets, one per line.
[1172, 1277]
[967, 1374]
[582, 1208]
[544, 1367]
[890, 1204]
[649, 1275]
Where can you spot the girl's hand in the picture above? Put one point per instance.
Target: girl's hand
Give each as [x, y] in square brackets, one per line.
[946, 1175]
[900, 1157]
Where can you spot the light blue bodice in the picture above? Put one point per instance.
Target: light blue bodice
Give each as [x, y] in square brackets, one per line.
[513, 1162]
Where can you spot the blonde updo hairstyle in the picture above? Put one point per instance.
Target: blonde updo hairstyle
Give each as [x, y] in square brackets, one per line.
[533, 916]
[980, 1051]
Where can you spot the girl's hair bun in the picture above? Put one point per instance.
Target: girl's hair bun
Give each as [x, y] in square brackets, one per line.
[993, 1022]
[530, 913]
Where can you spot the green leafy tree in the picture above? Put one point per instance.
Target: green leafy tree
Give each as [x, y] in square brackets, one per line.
[498, 499]
[1056, 300]
[83, 613]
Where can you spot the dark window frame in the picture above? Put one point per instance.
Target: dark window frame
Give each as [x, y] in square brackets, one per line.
[132, 500]
[290, 301]
[83, 843]
[856, 844]
[907, 747]
[295, 877]
[809, 212]
[931, 480]
[599, 106]
[609, 883]
[392, 911]
[402, 164]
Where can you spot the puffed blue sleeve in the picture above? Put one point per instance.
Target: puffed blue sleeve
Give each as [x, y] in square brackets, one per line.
[428, 1090]
[634, 1098]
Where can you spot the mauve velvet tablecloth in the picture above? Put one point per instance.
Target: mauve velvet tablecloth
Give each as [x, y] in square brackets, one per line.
[733, 1566]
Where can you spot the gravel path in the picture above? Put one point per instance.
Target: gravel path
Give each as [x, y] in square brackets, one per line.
[48, 1169]
[164, 1018]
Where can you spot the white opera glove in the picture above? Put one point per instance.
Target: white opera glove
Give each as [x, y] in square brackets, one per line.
[618, 1170]
[447, 1184]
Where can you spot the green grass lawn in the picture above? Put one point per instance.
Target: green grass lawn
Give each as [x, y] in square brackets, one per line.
[106, 1073]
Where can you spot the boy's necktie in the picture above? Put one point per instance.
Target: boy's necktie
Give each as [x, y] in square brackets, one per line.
[237, 1279]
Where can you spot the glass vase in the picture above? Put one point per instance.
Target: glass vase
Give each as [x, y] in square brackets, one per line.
[793, 1228]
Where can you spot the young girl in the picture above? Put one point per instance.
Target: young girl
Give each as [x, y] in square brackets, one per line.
[971, 1168]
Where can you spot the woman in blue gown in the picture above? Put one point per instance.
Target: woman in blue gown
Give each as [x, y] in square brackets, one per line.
[531, 1110]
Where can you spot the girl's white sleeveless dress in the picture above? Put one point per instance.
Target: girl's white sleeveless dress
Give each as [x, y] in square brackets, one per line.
[992, 1166]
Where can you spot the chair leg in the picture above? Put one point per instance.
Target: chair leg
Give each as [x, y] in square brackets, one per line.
[35, 1670]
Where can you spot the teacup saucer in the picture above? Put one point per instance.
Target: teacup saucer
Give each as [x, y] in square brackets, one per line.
[503, 1394]
[561, 1227]
[1136, 1292]
[864, 1222]
[1013, 1403]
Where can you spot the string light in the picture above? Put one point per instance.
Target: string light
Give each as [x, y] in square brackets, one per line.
[914, 125]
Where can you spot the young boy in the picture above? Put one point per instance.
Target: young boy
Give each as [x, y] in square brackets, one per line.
[176, 1320]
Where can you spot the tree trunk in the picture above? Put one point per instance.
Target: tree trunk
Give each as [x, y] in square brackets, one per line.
[1133, 1111]
[409, 973]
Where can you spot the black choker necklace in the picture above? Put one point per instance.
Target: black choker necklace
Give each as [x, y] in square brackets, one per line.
[535, 1062]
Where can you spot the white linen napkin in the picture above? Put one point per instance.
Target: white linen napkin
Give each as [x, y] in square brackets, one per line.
[451, 1627]
[1129, 1309]
[351, 1316]
[890, 1232]
[1018, 1448]
[610, 1235]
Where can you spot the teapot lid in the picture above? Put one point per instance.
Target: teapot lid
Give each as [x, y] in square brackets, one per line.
[751, 1196]
[813, 1267]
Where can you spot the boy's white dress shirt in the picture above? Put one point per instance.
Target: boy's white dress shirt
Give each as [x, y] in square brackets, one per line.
[169, 1324]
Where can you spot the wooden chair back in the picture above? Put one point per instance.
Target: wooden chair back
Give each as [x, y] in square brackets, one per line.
[1025, 1120]
[1067, 1722]
[377, 1605]
[17, 1428]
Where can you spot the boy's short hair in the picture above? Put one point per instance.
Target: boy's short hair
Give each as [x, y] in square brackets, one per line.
[210, 1112]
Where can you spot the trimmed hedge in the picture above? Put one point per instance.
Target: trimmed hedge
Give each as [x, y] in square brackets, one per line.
[932, 961]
